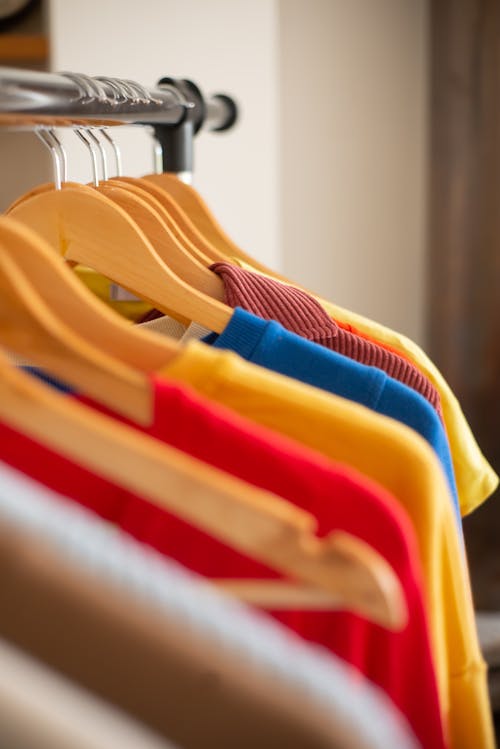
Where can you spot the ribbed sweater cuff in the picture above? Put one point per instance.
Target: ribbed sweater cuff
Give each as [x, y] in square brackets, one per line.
[239, 336]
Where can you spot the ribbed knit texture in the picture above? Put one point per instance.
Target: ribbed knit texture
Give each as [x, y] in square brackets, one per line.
[299, 312]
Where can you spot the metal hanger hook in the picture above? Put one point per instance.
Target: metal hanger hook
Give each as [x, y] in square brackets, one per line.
[119, 95]
[126, 90]
[139, 93]
[116, 150]
[62, 153]
[80, 132]
[87, 93]
[104, 159]
[157, 156]
[55, 154]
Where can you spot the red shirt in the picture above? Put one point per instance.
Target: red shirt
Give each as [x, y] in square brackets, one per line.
[337, 496]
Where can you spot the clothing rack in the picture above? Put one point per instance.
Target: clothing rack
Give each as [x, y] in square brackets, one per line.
[176, 108]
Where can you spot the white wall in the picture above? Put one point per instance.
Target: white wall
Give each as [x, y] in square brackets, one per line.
[353, 153]
[223, 45]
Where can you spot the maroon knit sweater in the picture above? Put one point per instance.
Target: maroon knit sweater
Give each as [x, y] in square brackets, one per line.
[302, 314]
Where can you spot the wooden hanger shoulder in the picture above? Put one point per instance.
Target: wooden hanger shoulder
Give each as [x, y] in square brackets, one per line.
[86, 227]
[49, 187]
[85, 314]
[193, 205]
[249, 519]
[44, 187]
[185, 220]
[201, 217]
[230, 252]
[147, 214]
[31, 329]
[177, 220]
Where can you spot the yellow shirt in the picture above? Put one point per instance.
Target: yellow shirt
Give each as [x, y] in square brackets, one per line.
[398, 459]
[476, 479]
[109, 292]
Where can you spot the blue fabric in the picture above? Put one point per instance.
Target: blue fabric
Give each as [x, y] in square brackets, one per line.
[47, 378]
[270, 345]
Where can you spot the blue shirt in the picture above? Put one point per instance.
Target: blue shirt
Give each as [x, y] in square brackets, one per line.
[270, 345]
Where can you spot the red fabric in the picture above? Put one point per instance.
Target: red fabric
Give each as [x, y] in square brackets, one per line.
[338, 497]
[299, 312]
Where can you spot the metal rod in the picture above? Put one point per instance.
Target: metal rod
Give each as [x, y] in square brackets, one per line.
[32, 92]
[71, 95]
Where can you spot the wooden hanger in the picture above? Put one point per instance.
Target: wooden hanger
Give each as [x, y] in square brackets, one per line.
[70, 301]
[192, 215]
[86, 227]
[205, 281]
[197, 212]
[175, 218]
[149, 216]
[268, 528]
[188, 225]
[203, 229]
[160, 201]
[86, 315]
[30, 328]
[44, 187]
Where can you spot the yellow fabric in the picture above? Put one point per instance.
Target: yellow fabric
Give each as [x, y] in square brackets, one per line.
[398, 459]
[476, 479]
[102, 287]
